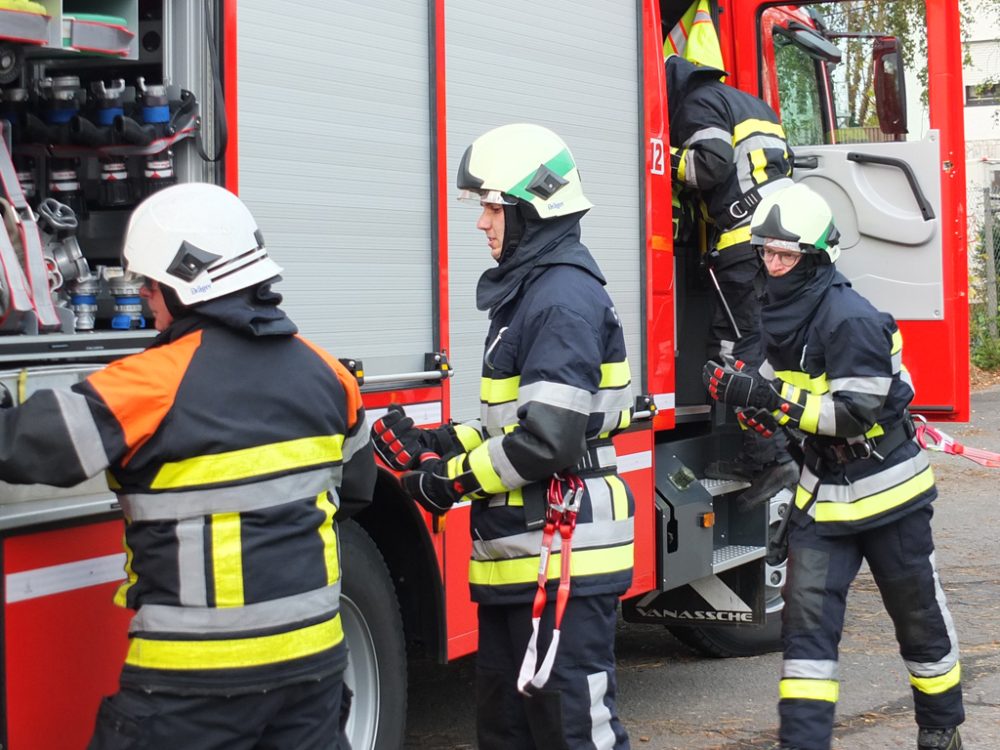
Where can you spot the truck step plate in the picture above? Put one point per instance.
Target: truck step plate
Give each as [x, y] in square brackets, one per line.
[718, 487]
[734, 555]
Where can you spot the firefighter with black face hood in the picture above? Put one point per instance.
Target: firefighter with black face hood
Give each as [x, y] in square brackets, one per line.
[552, 522]
[834, 377]
[234, 446]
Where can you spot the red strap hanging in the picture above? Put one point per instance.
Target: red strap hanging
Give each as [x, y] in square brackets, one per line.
[564, 496]
[933, 439]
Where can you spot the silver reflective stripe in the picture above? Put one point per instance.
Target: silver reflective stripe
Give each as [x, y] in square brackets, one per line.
[612, 400]
[766, 371]
[556, 394]
[191, 563]
[600, 499]
[498, 416]
[871, 485]
[744, 167]
[872, 385]
[809, 669]
[897, 361]
[257, 616]
[601, 733]
[509, 476]
[710, 134]
[528, 544]
[82, 431]
[173, 506]
[610, 422]
[690, 170]
[827, 422]
[601, 457]
[356, 442]
[938, 668]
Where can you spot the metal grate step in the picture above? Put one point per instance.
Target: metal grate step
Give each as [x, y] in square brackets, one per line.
[718, 487]
[734, 555]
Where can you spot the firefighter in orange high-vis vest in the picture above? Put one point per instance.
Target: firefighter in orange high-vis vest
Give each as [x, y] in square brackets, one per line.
[235, 446]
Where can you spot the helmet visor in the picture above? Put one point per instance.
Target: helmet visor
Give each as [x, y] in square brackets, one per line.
[486, 196]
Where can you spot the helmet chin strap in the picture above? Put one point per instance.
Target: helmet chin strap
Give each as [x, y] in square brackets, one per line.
[513, 230]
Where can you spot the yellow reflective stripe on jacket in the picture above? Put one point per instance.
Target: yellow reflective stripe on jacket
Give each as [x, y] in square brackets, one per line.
[818, 384]
[227, 560]
[584, 562]
[468, 436]
[615, 375]
[482, 469]
[237, 652]
[619, 497]
[809, 420]
[872, 505]
[246, 463]
[939, 684]
[809, 690]
[897, 342]
[329, 536]
[499, 390]
[733, 237]
[752, 127]
[130, 577]
[759, 161]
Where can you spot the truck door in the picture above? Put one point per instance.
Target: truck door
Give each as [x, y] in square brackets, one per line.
[891, 168]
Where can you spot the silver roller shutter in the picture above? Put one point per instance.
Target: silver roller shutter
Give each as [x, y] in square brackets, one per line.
[572, 67]
[334, 160]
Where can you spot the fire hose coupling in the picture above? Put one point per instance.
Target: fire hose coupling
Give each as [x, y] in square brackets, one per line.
[124, 287]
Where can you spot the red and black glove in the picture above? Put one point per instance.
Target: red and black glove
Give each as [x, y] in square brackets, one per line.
[760, 421]
[732, 384]
[397, 442]
[437, 484]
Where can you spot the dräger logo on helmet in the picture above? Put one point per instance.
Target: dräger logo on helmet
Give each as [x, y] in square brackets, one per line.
[200, 289]
[555, 206]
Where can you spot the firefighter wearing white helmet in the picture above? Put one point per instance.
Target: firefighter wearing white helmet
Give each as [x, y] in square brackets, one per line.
[834, 378]
[200, 240]
[556, 350]
[236, 638]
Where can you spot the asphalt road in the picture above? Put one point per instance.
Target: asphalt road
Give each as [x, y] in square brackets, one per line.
[672, 699]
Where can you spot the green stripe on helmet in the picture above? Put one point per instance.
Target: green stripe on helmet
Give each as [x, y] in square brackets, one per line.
[562, 164]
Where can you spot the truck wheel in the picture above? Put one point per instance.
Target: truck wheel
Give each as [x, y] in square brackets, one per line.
[736, 640]
[376, 668]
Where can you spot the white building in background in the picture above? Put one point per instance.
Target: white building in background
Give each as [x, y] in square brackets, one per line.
[981, 81]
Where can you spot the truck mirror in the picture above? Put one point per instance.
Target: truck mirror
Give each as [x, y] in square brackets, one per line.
[890, 86]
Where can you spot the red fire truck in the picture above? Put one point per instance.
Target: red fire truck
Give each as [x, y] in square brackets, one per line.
[341, 123]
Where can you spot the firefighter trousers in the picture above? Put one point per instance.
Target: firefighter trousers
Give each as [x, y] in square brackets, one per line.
[305, 716]
[820, 571]
[576, 709]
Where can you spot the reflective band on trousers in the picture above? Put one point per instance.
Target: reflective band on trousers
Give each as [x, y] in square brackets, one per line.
[809, 690]
[236, 652]
[935, 685]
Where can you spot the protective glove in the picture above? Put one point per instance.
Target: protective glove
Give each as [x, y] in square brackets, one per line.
[732, 384]
[760, 421]
[397, 442]
[437, 484]
[6, 400]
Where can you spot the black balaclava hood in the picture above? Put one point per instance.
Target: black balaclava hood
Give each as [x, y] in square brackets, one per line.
[252, 311]
[534, 243]
[792, 298]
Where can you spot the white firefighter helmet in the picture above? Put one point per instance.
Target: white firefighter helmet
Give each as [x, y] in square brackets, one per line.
[200, 240]
[796, 218]
[526, 162]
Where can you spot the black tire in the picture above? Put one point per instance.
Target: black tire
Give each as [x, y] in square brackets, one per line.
[734, 640]
[376, 670]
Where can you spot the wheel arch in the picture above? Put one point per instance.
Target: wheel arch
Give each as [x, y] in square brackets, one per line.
[397, 526]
